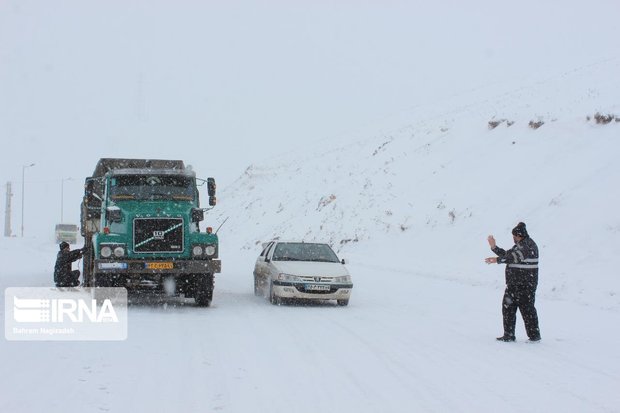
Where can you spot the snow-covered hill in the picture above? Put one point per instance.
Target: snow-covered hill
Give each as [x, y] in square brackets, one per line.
[423, 196]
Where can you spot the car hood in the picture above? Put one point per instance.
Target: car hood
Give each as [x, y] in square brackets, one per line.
[331, 269]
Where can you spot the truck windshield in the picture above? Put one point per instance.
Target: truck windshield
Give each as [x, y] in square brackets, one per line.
[151, 187]
[302, 251]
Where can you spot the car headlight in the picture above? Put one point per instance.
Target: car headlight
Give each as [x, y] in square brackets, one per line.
[119, 252]
[343, 279]
[210, 250]
[197, 250]
[106, 252]
[288, 277]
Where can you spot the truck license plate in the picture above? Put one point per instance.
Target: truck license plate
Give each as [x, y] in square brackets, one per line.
[317, 287]
[159, 265]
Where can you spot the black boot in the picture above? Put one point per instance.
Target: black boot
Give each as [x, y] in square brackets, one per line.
[506, 338]
[535, 338]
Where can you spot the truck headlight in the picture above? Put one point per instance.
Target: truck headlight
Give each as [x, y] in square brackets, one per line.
[197, 250]
[119, 252]
[210, 250]
[106, 252]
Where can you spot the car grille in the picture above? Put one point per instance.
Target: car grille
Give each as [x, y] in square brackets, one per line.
[316, 279]
[302, 289]
[152, 235]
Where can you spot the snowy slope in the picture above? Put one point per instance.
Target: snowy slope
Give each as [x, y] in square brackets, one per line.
[424, 196]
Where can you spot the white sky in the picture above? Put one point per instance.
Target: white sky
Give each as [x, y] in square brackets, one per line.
[222, 85]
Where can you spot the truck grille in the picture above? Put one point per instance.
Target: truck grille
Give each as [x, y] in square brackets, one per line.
[152, 235]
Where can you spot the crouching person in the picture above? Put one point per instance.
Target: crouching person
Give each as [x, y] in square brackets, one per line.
[63, 276]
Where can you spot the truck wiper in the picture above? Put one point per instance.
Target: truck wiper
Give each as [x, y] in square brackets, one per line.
[123, 196]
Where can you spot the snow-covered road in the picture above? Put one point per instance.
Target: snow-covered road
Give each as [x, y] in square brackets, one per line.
[405, 343]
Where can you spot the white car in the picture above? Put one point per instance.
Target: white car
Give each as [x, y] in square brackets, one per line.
[301, 270]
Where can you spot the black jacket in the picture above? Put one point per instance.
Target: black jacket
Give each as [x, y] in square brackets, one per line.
[62, 269]
[522, 263]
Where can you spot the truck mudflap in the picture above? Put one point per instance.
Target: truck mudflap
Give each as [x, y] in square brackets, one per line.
[158, 267]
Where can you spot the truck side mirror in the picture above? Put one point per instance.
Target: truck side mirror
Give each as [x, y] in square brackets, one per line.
[197, 215]
[212, 201]
[211, 187]
[91, 202]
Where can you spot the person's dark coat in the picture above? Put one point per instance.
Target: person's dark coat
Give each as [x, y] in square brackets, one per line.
[63, 276]
[521, 282]
[522, 263]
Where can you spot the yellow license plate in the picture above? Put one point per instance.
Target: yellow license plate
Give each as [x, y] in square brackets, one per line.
[159, 265]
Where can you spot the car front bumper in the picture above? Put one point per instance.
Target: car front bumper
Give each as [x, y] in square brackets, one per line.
[286, 289]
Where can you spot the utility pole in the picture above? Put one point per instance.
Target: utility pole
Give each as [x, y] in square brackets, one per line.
[23, 174]
[62, 201]
[7, 212]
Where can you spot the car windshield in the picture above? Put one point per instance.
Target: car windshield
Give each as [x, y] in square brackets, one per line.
[301, 251]
[152, 187]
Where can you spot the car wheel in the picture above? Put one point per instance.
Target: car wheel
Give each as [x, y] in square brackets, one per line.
[342, 303]
[273, 298]
[257, 290]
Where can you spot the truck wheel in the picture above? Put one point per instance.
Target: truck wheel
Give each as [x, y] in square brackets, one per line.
[99, 281]
[204, 290]
[342, 303]
[273, 298]
[88, 264]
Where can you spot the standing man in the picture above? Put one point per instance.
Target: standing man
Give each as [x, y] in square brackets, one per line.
[521, 282]
[63, 276]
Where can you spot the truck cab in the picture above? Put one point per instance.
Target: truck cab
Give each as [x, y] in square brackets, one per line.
[144, 227]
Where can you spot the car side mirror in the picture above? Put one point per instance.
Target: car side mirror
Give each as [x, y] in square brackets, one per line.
[343, 261]
[267, 259]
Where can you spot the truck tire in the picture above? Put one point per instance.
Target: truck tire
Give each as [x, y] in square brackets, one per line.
[88, 264]
[204, 290]
[99, 282]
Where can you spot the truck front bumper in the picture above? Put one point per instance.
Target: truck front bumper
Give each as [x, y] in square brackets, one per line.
[170, 267]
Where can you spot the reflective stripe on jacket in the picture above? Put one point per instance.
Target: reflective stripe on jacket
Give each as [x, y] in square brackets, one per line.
[522, 262]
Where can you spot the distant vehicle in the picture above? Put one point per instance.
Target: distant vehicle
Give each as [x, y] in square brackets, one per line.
[67, 233]
[301, 270]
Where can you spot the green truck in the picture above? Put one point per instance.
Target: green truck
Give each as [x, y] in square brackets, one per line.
[140, 221]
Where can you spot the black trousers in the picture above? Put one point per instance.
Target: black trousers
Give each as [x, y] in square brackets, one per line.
[520, 297]
[69, 280]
